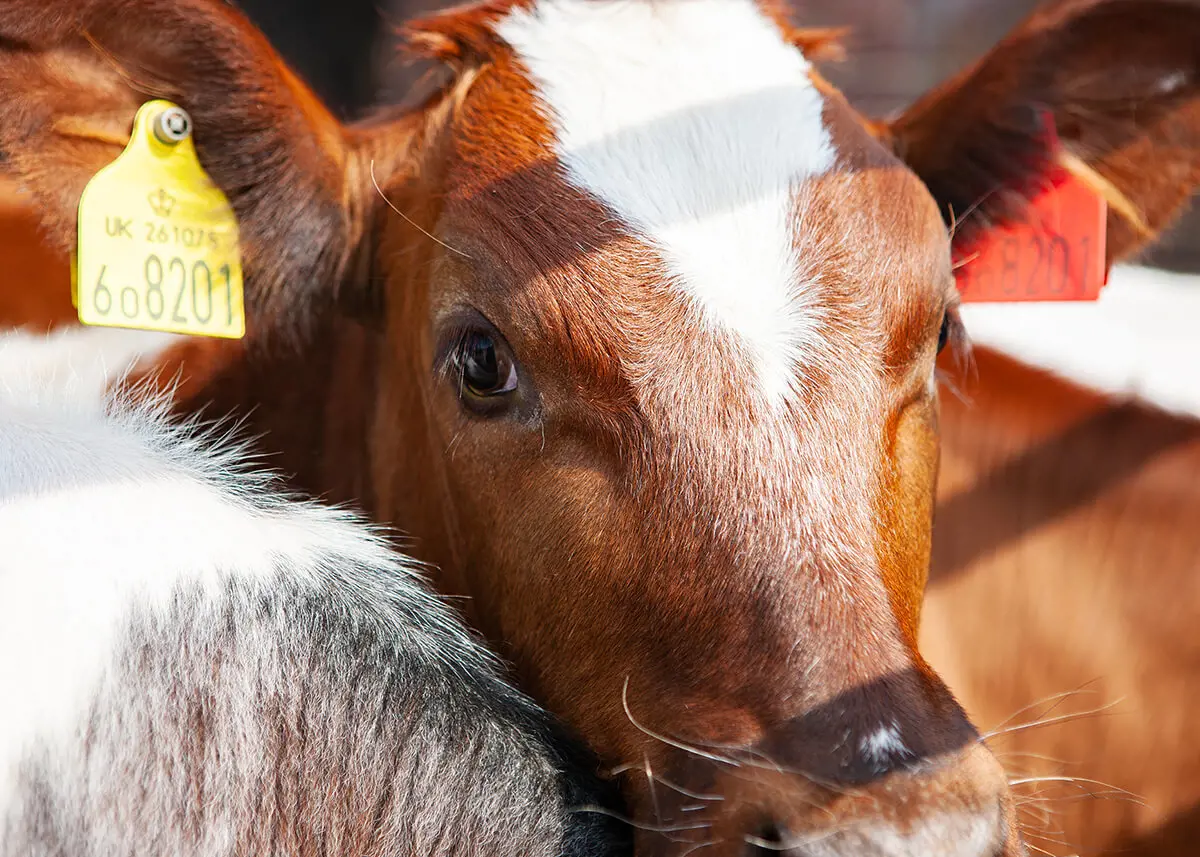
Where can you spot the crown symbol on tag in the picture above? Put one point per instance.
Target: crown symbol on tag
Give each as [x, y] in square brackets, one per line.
[162, 202]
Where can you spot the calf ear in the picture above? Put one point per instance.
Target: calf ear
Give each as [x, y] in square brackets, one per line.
[1121, 79]
[74, 72]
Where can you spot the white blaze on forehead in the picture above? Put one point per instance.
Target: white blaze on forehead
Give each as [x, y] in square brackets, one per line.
[695, 122]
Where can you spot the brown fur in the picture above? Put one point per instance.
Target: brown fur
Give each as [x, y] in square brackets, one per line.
[977, 140]
[1065, 563]
[643, 537]
[35, 286]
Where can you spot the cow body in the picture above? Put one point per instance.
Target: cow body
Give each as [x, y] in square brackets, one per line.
[194, 663]
[1070, 469]
[1065, 520]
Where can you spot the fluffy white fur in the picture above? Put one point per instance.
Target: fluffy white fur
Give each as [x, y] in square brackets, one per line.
[75, 361]
[60, 525]
[696, 124]
[1140, 340]
[170, 620]
[104, 512]
[107, 510]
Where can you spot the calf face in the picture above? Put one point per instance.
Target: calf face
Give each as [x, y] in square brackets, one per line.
[656, 390]
[686, 336]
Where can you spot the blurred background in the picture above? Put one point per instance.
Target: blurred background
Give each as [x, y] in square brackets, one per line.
[347, 51]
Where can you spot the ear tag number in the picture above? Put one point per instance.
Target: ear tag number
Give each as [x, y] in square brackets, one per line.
[158, 241]
[1056, 254]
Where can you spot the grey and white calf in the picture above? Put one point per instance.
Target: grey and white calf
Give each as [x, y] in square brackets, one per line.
[193, 663]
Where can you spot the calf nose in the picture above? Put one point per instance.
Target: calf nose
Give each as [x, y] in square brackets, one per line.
[957, 806]
[870, 794]
[939, 836]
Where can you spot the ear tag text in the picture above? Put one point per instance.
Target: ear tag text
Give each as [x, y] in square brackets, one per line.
[158, 241]
[1056, 254]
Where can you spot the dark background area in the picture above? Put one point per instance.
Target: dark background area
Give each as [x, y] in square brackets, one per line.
[346, 50]
[331, 43]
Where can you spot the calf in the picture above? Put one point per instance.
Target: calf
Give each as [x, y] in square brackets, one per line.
[633, 325]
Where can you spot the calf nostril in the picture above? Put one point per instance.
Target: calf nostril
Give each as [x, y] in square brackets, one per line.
[767, 839]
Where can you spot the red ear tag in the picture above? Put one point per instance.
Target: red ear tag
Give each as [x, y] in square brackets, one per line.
[1057, 254]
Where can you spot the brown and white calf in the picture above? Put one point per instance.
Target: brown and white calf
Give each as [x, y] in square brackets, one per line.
[633, 326]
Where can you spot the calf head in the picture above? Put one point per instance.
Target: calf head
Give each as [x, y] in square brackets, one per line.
[660, 316]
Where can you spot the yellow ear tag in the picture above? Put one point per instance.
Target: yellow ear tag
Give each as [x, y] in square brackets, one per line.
[158, 241]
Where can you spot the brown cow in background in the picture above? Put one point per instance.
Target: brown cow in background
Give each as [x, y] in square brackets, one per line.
[1065, 591]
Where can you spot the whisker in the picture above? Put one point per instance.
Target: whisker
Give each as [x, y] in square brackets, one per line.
[1065, 779]
[641, 825]
[408, 219]
[724, 760]
[1050, 721]
[962, 263]
[1043, 822]
[1042, 838]
[653, 793]
[670, 742]
[1056, 698]
[948, 380]
[748, 757]
[746, 765]
[1075, 798]
[1035, 801]
[687, 792]
[799, 842]
[1045, 833]
[1016, 754]
[966, 215]
[623, 769]
[1082, 783]
[450, 447]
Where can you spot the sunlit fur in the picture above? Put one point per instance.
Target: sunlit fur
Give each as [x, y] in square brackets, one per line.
[695, 122]
[633, 517]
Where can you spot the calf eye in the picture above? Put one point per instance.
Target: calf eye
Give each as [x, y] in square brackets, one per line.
[944, 333]
[485, 369]
[952, 329]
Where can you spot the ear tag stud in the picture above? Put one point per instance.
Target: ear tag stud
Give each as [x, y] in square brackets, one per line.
[158, 241]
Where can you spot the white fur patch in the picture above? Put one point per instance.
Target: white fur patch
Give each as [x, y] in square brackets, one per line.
[947, 834]
[105, 509]
[884, 745]
[1140, 340]
[75, 362]
[696, 124]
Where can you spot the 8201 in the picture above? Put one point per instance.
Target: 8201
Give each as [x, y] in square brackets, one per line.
[166, 287]
[1029, 265]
